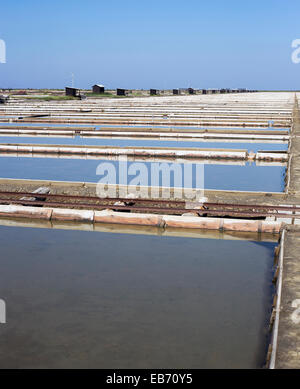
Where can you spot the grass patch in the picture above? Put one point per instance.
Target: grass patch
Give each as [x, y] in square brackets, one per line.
[100, 95]
[50, 98]
[103, 95]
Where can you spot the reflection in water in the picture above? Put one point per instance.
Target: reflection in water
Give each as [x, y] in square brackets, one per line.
[98, 300]
[108, 126]
[250, 146]
[224, 177]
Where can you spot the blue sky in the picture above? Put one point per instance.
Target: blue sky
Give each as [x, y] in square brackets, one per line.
[143, 44]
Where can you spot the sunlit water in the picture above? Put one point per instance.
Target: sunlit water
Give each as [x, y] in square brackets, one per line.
[248, 177]
[250, 146]
[107, 127]
[100, 300]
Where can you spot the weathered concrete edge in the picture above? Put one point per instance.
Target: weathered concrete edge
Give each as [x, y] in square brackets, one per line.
[276, 310]
[139, 230]
[154, 220]
[275, 317]
[170, 152]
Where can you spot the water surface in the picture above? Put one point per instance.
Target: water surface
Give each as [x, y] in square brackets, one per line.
[98, 300]
[107, 127]
[250, 146]
[247, 177]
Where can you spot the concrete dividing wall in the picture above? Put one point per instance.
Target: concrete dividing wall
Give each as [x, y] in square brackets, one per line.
[146, 133]
[144, 152]
[284, 350]
[139, 230]
[163, 221]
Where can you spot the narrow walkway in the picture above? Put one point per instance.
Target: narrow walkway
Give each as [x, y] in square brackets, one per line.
[286, 353]
[288, 346]
[294, 150]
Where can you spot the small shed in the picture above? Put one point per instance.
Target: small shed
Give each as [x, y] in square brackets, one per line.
[176, 92]
[153, 92]
[97, 88]
[191, 91]
[72, 91]
[4, 99]
[121, 92]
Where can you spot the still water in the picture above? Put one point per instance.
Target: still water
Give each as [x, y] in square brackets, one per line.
[107, 127]
[128, 127]
[250, 146]
[247, 177]
[99, 300]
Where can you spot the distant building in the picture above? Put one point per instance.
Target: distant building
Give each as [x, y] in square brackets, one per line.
[98, 89]
[204, 91]
[191, 91]
[153, 92]
[121, 92]
[72, 91]
[176, 91]
[4, 99]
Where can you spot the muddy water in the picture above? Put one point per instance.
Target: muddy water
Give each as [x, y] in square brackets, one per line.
[246, 176]
[98, 300]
